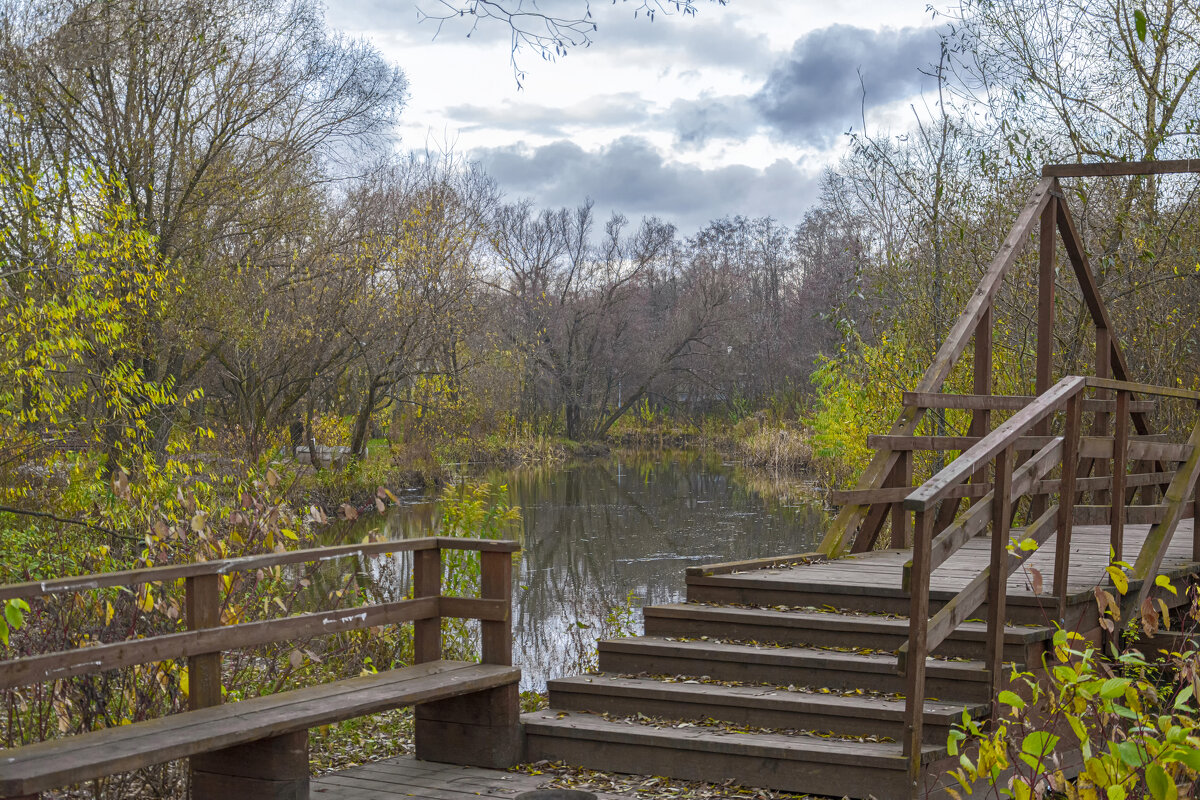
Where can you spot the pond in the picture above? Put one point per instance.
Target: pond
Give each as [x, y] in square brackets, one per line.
[605, 536]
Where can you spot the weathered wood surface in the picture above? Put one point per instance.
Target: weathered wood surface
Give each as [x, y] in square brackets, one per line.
[47, 765]
[405, 777]
[1114, 169]
[879, 572]
[136, 577]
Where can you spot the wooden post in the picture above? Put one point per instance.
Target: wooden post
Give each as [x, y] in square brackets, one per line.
[902, 476]
[202, 609]
[981, 418]
[427, 582]
[1116, 538]
[496, 584]
[1048, 244]
[481, 729]
[914, 662]
[1100, 420]
[1066, 498]
[275, 767]
[1196, 516]
[998, 575]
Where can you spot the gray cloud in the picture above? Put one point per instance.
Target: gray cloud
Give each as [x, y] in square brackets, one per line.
[814, 94]
[632, 177]
[623, 108]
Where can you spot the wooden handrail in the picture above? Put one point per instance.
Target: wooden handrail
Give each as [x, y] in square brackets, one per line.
[961, 468]
[228, 566]
[207, 639]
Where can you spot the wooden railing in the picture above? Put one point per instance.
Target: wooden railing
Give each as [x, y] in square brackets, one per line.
[202, 644]
[1107, 455]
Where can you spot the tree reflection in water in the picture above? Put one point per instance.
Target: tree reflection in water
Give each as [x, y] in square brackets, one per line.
[596, 530]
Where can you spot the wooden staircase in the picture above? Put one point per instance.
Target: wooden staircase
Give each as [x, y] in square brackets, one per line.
[768, 682]
[834, 675]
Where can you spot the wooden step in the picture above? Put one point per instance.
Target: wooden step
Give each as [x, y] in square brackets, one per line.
[758, 706]
[881, 593]
[791, 763]
[965, 681]
[821, 628]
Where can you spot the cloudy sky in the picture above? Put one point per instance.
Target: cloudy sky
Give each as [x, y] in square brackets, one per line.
[735, 110]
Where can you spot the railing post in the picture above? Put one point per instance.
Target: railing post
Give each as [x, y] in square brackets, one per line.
[1048, 244]
[901, 477]
[1196, 515]
[1100, 420]
[1116, 539]
[1066, 498]
[998, 576]
[202, 609]
[914, 663]
[427, 582]
[981, 419]
[496, 584]
[481, 729]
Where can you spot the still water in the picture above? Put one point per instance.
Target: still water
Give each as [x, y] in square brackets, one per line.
[605, 533]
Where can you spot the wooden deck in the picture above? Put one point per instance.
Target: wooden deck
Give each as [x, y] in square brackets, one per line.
[406, 777]
[880, 572]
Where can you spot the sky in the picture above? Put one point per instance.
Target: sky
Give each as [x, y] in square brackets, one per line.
[736, 110]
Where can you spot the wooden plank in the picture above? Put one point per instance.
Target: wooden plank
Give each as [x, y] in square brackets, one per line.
[897, 494]
[1111, 169]
[728, 567]
[984, 451]
[65, 664]
[1052, 485]
[1101, 467]
[135, 577]
[202, 609]
[953, 346]
[1143, 388]
[47, 765]
[1010, 402]
[902, 478]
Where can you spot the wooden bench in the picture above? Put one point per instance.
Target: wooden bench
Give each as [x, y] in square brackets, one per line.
[466, 713]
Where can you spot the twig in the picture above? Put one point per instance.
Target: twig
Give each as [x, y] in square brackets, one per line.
[47, 515]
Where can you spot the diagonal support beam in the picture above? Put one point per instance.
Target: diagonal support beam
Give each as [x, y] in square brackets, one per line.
[955, 344]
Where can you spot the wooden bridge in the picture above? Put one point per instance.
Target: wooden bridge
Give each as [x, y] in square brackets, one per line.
[833, 673]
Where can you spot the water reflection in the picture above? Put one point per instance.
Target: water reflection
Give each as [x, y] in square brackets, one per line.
[598, 530]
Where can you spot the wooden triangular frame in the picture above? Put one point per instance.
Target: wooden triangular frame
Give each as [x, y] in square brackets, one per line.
[858, 525]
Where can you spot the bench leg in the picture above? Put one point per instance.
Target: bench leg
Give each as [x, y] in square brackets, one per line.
[479, 730]
[270, 769]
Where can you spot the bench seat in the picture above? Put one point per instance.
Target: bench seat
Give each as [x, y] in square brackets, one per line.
[56, 763]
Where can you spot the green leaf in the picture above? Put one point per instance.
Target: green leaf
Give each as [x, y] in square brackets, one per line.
[1011, 699]
[1139, 21]
[1160, 784]
[1113, 688]
[1182, 698]
[1189, 756]
[1039, 744]
[1132, 755]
